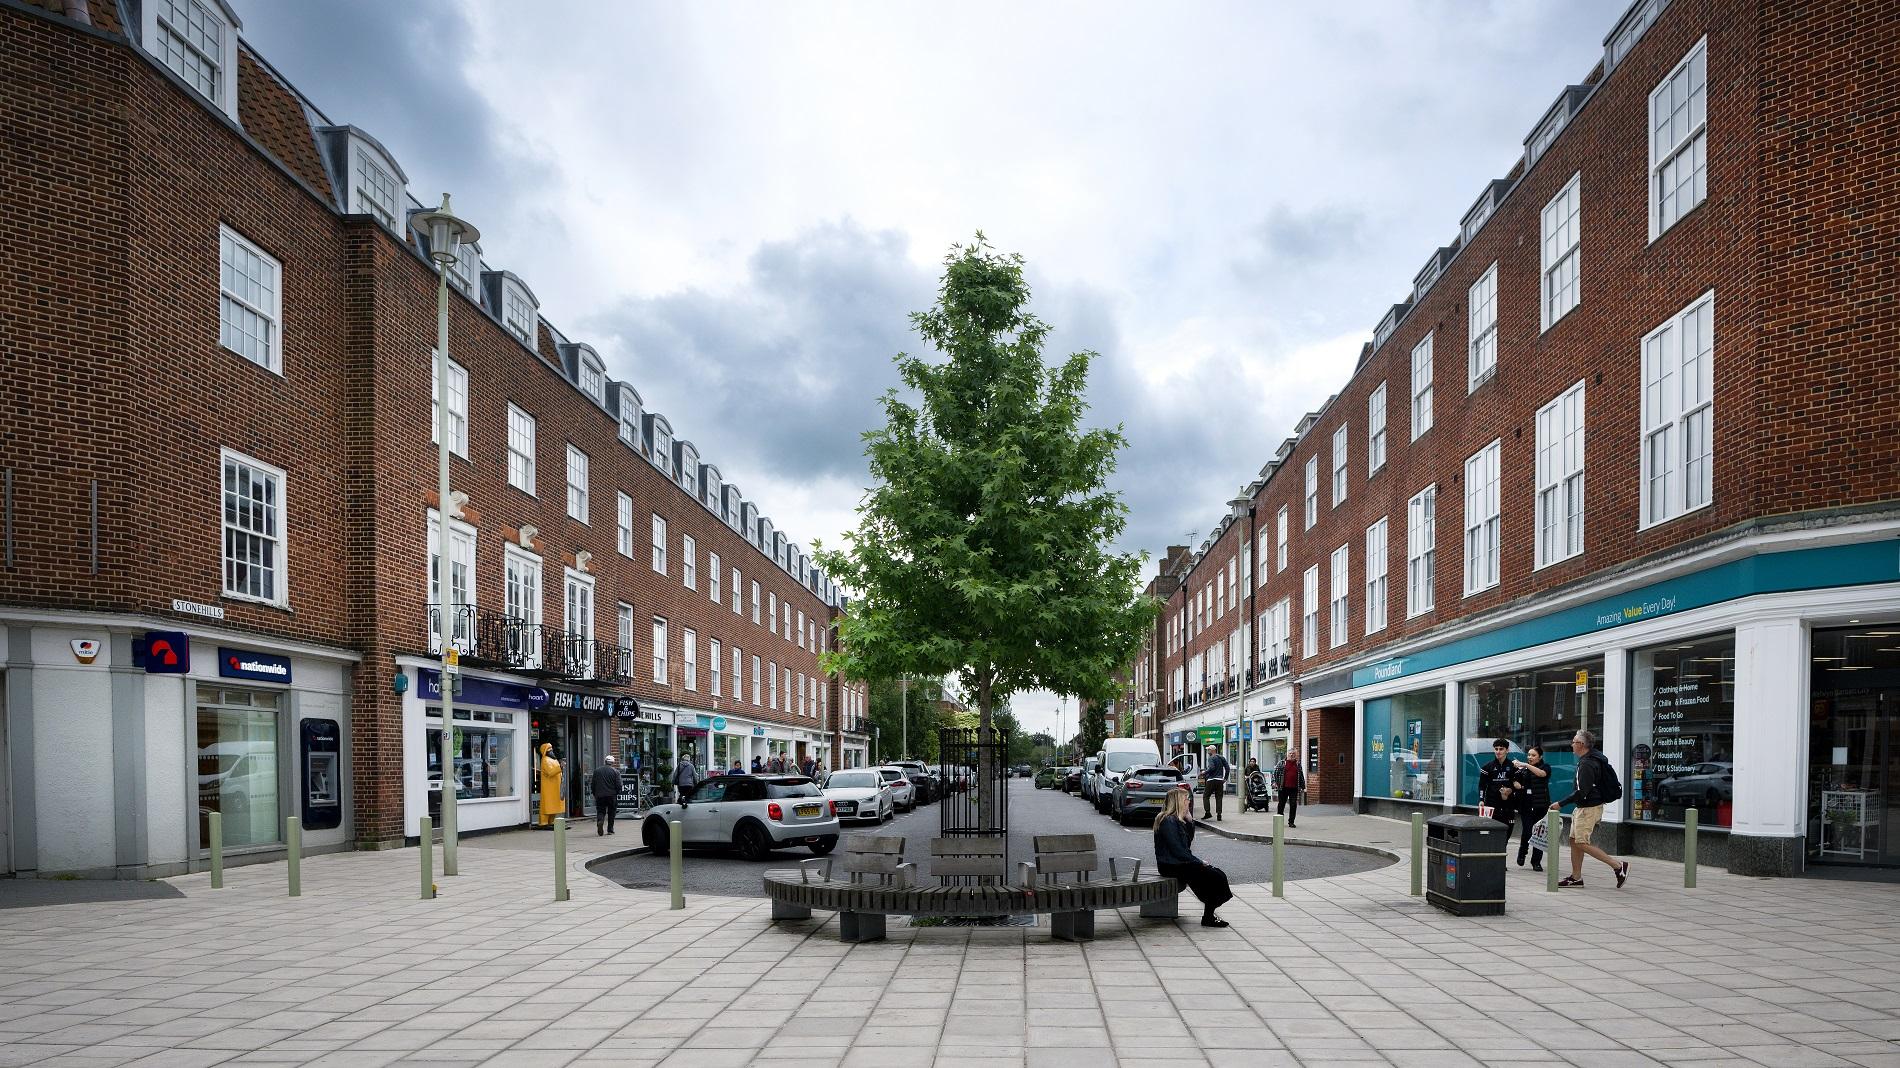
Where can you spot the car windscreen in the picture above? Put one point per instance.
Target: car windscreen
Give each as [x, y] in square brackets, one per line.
[1157, 775]
[791, 788]
[890, 774]
[1124, 761]
[855, 780]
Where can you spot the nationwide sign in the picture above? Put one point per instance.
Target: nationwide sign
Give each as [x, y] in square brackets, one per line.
[258, 667]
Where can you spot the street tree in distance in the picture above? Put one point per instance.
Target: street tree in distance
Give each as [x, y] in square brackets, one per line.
[982, 546]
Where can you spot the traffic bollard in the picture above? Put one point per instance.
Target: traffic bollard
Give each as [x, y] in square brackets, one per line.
[1690, 818]
[560, 858]
[1553, 837]
[217, 850]
[1279, 855]
[677, 850]
[293, 841]
[1418, 853]
[428, 869]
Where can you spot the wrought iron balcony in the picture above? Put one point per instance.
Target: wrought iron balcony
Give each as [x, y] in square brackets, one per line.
[462, 628]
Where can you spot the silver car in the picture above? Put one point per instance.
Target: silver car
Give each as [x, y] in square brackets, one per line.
[753, 814]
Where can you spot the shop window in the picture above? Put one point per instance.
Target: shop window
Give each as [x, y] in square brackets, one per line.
[1853, 736]
[1540, 706]
[1405, 746]
[1682, 731]
[239, 738]
[484, 759]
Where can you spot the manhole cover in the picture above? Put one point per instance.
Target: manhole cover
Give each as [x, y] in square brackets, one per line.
[974, 921]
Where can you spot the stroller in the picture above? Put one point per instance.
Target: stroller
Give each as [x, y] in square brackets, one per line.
[1258, 794]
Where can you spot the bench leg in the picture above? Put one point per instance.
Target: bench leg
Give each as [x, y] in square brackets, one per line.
[785, 911]
[1168, 908]
[860, 927]
[1072, 926]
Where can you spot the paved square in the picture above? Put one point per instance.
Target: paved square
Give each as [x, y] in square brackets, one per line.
[357, 972]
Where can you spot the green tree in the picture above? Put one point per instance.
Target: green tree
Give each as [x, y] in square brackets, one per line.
[982, 546]
[897, 717]
[1094, 726]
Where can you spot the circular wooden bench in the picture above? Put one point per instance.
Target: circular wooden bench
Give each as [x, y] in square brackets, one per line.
[863, 905]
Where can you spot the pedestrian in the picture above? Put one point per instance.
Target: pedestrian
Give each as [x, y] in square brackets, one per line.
[685, 776]
[1596, 787]
[735, 769]
[606, 796]
[758, 763]
[1292, 781]
[1174, 857]
[1533, 779]
[1497, 786]
[1214, 787]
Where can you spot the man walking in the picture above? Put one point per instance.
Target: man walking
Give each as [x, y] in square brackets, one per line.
[1596, 786]
[685, 776]
[606, 796]
[1292, 781]
[1214, 787]
[1497, 786]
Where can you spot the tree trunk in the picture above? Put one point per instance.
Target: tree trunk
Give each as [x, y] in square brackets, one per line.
[986, 800]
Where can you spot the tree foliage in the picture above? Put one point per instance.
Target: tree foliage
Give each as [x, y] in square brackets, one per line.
[982, 547]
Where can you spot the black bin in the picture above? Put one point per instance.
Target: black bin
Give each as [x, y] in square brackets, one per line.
[1464, 864]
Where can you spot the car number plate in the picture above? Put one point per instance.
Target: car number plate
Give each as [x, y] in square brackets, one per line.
[809, 810]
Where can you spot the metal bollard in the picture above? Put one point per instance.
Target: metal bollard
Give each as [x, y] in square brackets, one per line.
[677, 848]
[293, 841]
[1553, 835]
[428, 869]
[1279, 855]
[1418, 854]
[1690, 819]
[217, 851]
[560, 858]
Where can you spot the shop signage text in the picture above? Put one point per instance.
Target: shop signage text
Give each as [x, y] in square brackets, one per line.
[758, 732]
[1278, 723]
[575, 701]
[209, 611]
[1209, 735]
[484, 692]
[259, 667]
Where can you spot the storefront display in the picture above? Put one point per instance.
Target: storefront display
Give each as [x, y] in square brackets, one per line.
[1854, 745]
[1405, 746]
[1682, 731]
[484, 754]
[239, 732]
[1543, 706]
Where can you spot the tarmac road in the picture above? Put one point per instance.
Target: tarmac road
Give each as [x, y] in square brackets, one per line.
[1032, 812]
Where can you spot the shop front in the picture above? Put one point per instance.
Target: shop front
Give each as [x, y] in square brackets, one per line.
[492, 754]
[1271, 739]
[579, 725]
[646, 757]
[1404, 759]
[1541, 706]
[1853, 733]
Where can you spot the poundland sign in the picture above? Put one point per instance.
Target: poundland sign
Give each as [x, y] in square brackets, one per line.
[258, 667]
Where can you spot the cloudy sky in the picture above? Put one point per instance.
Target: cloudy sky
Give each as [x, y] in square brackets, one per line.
[738, 204]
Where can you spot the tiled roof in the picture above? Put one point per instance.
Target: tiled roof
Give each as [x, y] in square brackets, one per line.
[103, 14]
[270, 113]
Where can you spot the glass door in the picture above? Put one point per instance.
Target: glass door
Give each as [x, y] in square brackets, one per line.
[1854, 747]
[580, 795]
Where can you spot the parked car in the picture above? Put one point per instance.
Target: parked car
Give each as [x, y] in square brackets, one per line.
[1021, 771]
[860, 794]
[1118, 755]
[753, 814]
[1142, 788]
[1090, 767]
[903, 794]
[1049, 778]
[1711, 780]
[921, 780]
[1072, 779]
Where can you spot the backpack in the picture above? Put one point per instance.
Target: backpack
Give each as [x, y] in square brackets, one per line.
[1608, 788]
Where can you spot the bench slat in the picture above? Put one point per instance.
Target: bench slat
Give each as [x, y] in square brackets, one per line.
[872, 863]
[956, 866]
[1064, 843]
[878, 843]
[966, 847]
[1063, 863]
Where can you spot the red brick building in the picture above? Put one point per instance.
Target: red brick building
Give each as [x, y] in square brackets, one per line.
[219, 490]
[1688, 269]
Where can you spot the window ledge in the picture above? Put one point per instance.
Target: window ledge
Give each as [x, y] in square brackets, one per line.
[281, 606]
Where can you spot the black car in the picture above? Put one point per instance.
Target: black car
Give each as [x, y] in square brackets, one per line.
[1072, 779]
[926, 785]
[1142, 789]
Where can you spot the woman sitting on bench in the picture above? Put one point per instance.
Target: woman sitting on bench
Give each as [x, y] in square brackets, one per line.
[1174, 856]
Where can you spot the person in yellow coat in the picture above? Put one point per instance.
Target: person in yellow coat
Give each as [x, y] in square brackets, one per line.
[551, 803]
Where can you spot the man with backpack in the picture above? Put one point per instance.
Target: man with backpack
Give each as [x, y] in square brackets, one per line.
[1596, 786]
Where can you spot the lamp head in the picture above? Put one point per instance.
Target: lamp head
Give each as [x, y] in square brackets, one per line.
[446, 233]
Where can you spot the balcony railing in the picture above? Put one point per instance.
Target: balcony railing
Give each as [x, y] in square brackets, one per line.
[501, 640]
[462, 622]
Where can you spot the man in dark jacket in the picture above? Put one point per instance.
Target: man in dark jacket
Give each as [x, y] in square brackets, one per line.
[1497, 786]
[606, 796]
[1292, 781]
[1593, 774]
[1214, 787]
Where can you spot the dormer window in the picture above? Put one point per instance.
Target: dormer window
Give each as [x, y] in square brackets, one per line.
[466, 269]
[509, 299]
[660, 441]
[197, 39]
[688, 464]
[711, 487]
[373, 189]
[518, 315]
[630, 419]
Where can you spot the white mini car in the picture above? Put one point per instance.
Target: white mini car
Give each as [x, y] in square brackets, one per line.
[903, 794]
[753, 814]
[860, 794]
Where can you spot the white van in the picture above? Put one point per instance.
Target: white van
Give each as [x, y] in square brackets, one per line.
[1118, 755]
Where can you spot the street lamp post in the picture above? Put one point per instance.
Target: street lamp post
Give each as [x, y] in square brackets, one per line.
[1243, 508]
[446, 234]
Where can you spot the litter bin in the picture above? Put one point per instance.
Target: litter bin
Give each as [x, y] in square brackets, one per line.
[1464, 864]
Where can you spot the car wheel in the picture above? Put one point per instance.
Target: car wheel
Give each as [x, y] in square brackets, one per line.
[825, 845]
[653, 836]
[751, 842]
[1121, 817]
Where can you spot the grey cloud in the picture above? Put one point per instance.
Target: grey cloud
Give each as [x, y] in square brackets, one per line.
[1288, 242]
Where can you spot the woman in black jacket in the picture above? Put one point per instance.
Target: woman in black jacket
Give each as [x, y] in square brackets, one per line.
[1174, 856]
[1533, 782]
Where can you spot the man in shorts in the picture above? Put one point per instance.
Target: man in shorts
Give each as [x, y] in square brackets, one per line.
[1593, 775]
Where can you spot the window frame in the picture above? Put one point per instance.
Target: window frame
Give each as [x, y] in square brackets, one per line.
[577, 502]
[713, 576]
[458, 434]
[689, 659]
[1342, 459]
[1421, 552]
[1486, 535]
[1676, 487]
[273, 314]
[661, 653]
[689, 561]
[1309, 613]
[1481, 323]
[1422, 416]
[1568, 261]
[1697, 133]
[1339, 601]
[1559, 475]
[1378, 552]
[279, 570]
[224, 69]
[1375, 431]
[1280, 526]
[1312, 490]
[525, 460]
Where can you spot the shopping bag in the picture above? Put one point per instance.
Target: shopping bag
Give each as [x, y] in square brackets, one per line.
[1487, 812]
[1539, 840]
